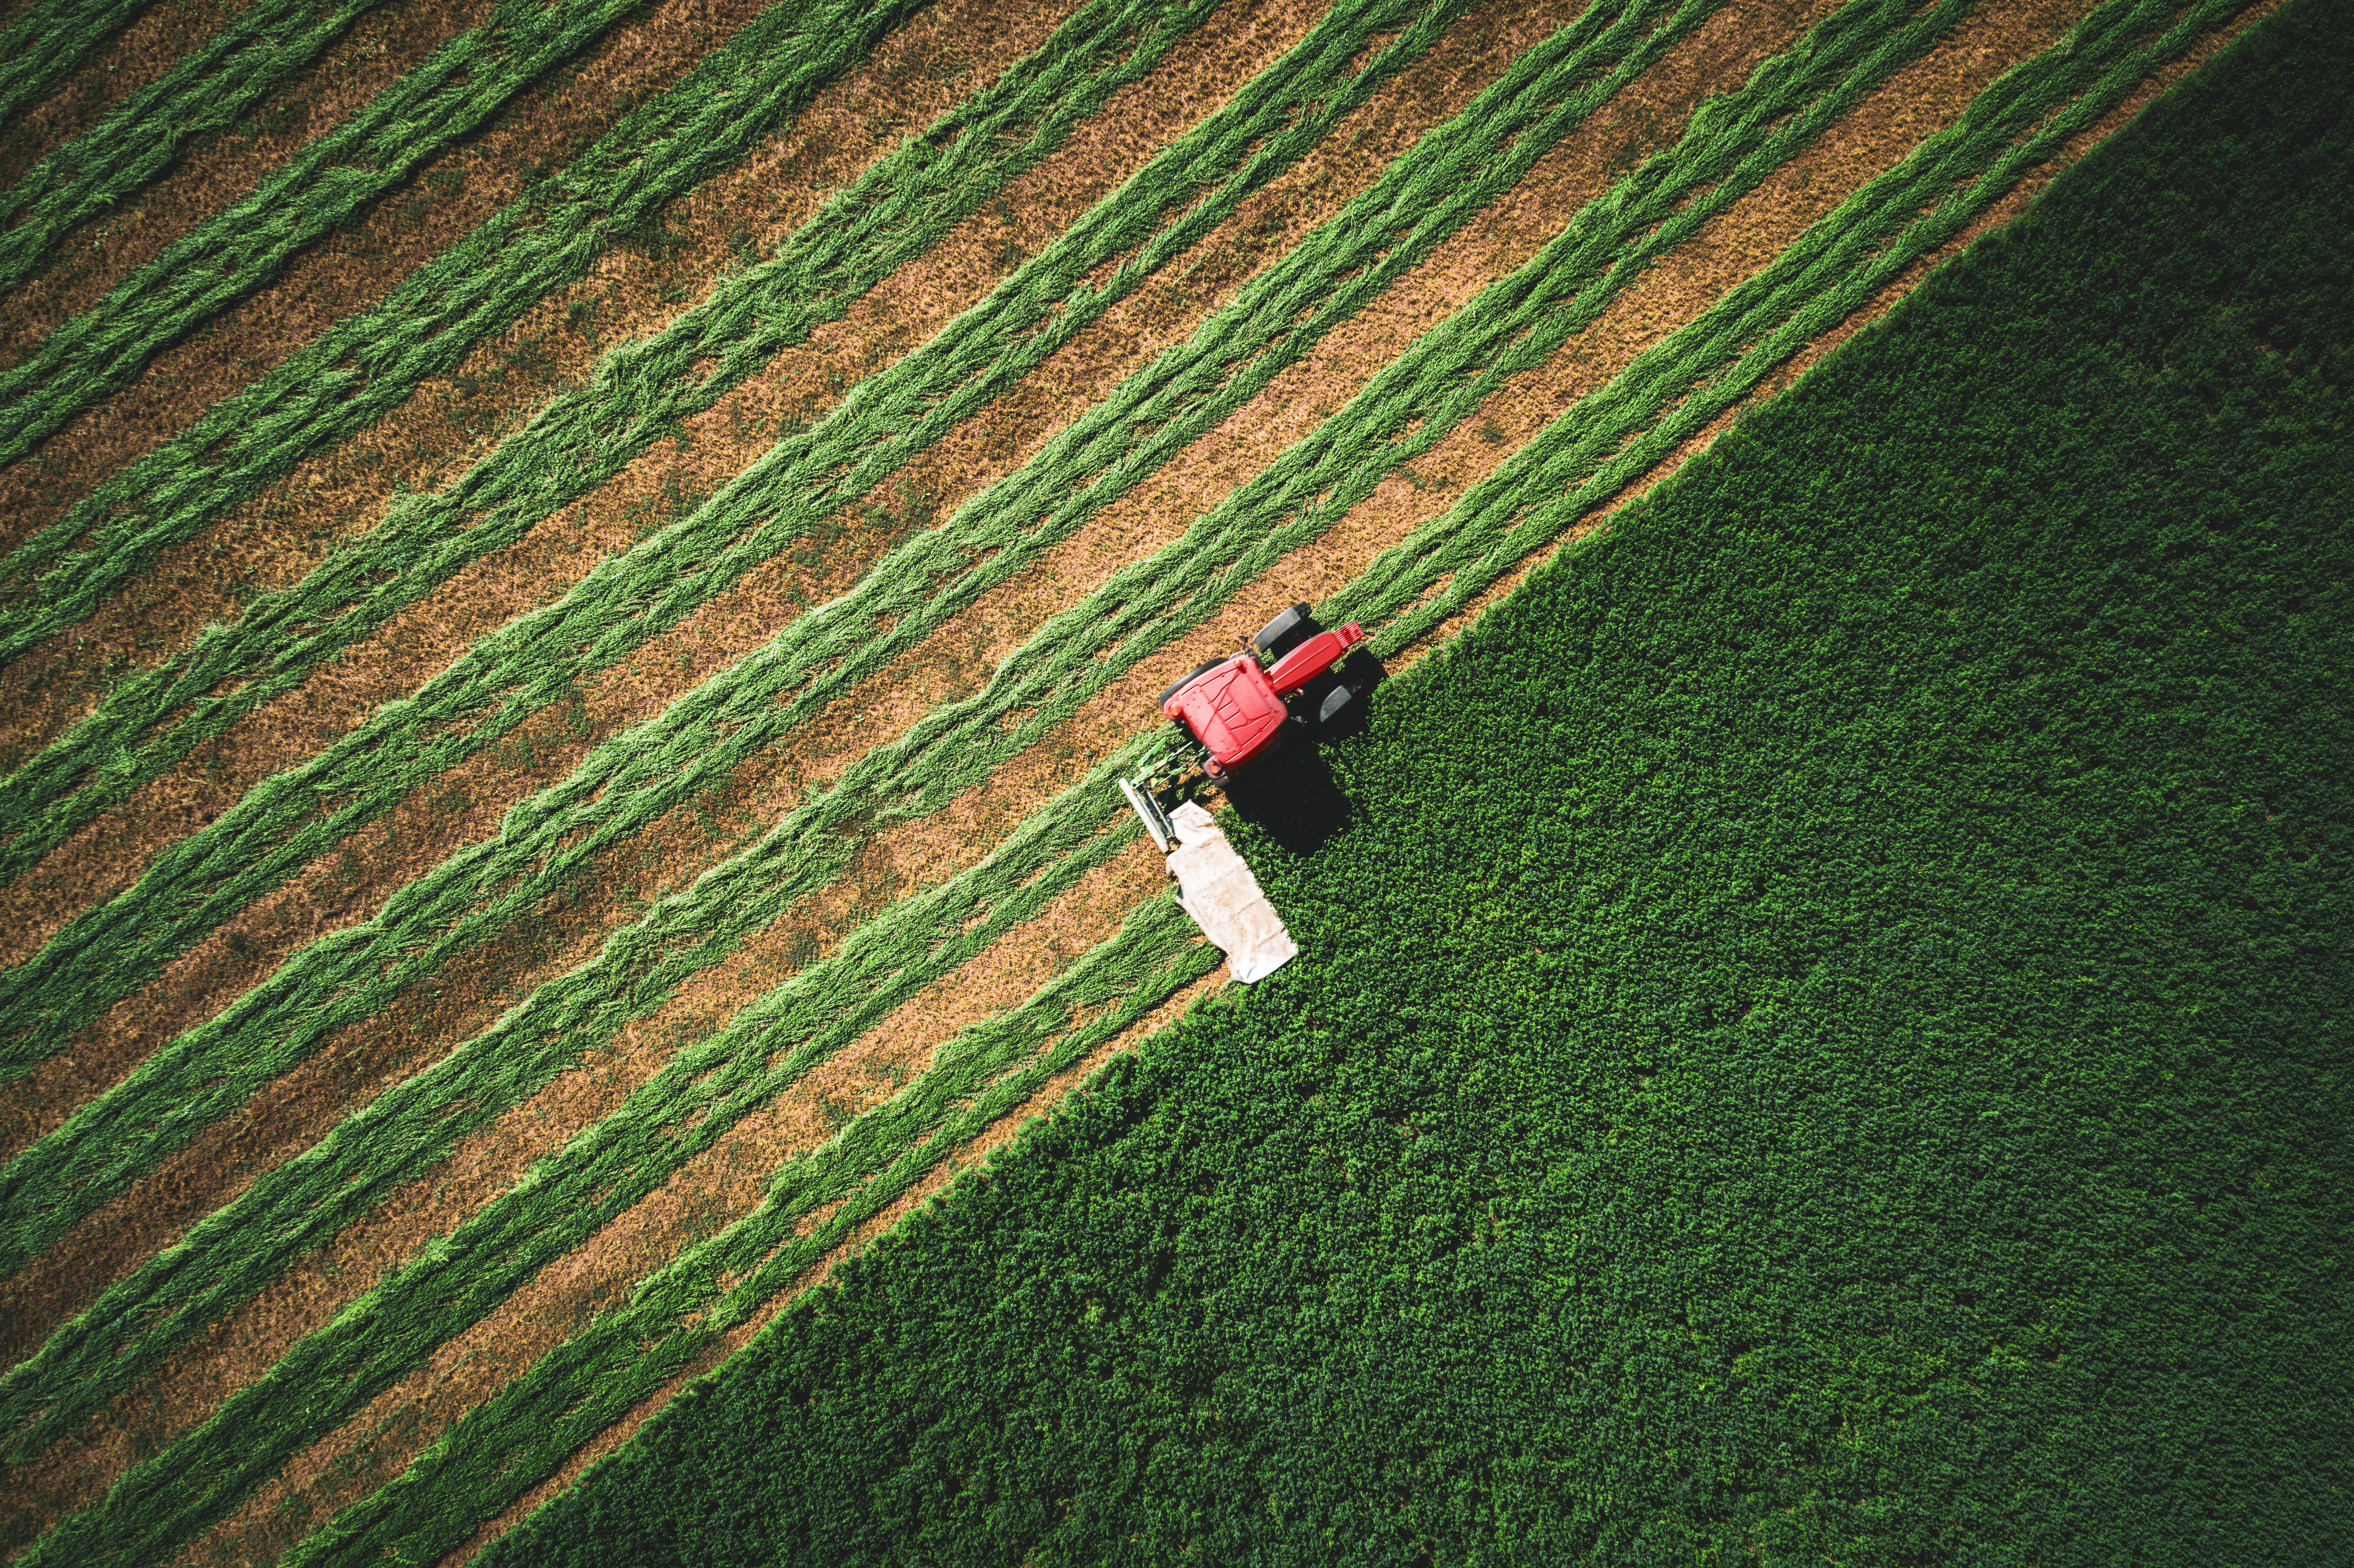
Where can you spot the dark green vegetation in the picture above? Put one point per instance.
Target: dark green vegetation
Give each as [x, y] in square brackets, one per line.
[1820, 1027]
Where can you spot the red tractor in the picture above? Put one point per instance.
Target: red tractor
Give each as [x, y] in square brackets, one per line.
[1233, 711]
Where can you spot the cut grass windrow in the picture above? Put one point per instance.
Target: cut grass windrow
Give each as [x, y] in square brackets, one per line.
[499, 1450]
[901, 207]
[208, 90]
[47, 42]
[373, 361]
[637, 775]
[699, 923]
[152, 1513]
[267, 835]
[235, 252]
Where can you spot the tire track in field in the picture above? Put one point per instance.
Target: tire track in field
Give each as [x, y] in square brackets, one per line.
[1228, 59]
[798, 1135]
[180, 1195]
[340, 275]
[2004, 211]
[143, 51]
[918, 73]
[110, 853]
[216, 170]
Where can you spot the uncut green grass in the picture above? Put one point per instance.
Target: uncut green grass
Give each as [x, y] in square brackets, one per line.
[634, 778]
[536, 1420]
[210, 89]
[101, 350]
[371, 361]
[414, 1123]
[703, 924]
[50, 40]
[1817, 1035]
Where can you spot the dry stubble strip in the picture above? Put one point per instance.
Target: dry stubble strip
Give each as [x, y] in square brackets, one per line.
[195, 140]
[539, 1406]
[103, 349]
[230, 1354]
[42, 47]
[759, 871]
[460, 883]
[449, 422]
[638, 395]
[142, 51]
[325, 350]
[479, 1454]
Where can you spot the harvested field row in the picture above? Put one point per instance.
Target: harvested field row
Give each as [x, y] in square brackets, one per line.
[1057, 686]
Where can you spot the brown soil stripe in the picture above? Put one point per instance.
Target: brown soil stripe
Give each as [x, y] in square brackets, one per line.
[2003, 212]
[407, 1418]
[1721, 57]
[144, 50]
[216, 170]
[1636, 328]
[229, 963]
[1132, 128]
[443, 200]
[917, 74]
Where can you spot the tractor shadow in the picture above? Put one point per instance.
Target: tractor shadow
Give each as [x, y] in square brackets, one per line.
[1291, 796]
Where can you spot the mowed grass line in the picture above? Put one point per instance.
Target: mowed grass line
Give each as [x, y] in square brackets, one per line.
[138, 139]
[374, 360]
[101, 350]
[688, 1113]
[45, 45]
[634, 778]
[639, 393]
[405, 1128]
[530, 1425]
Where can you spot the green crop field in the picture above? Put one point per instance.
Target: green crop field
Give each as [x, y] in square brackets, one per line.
[558, 785]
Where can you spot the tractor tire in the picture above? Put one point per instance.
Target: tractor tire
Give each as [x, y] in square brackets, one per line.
[1336, 702]
[1188, 681]
[1278, 635]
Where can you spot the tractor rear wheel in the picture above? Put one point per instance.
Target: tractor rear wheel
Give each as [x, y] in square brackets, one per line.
[1278, 635]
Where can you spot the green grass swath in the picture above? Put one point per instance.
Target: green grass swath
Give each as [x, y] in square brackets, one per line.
[525, 1431]
[1995, 131]
[639, 967]
[49, 41]
[156, 1511]
[208, 91]
[638, 394]
[101, 350]
[571, 1393]
[634, 778]
[370, 363]
[677, 1101]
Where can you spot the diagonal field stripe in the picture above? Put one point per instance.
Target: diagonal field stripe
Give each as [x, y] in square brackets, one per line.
[105, 347]
[525, 1430]
[44, 45]
[2007, 126]
[775, 502]
[373, 361]
[641, 393]
[639, 966]
[208, 91]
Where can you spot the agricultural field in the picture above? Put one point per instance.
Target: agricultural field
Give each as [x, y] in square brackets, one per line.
[577, 577]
